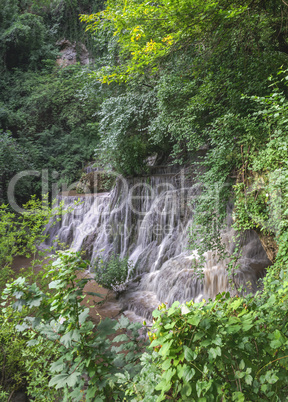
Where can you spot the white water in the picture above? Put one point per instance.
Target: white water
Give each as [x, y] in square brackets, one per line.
[149, 219]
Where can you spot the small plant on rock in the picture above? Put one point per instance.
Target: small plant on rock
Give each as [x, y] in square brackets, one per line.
[114, 273]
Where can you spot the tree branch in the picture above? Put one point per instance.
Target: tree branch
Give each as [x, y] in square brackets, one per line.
[147, 85]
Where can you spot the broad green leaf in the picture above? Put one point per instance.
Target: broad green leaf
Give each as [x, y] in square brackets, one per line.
[54, 284]
[242, 365]
[214, 352]
[186, 390]
[107, 327]
[72, 379]
[248, 379]
[194, 320]
[59, 381]
[83, 315]
[188, 373]
[189, 354]
[33, 342]
[67, 339]
[165, 347]
[167, 375]
[36, 302]
[166, 365]
[21, 327]
[238, 397]
[91, 391]
[57, 366]
[121, 338]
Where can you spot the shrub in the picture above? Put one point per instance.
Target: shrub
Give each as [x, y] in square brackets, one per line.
[227, 349]
[113, 273]
[12, 369]
[85, 362]
[24, 367]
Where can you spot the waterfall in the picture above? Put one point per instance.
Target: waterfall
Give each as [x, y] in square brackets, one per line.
[149, 219]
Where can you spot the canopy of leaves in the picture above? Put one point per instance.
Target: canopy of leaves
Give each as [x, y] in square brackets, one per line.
[149, 32]
[48, 112]
[197, 59]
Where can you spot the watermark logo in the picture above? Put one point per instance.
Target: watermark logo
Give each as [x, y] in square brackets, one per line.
[157, 202]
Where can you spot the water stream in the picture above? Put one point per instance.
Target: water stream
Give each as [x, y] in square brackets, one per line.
[149, 219]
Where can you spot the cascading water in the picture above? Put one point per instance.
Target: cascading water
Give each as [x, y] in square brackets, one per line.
[148, 219]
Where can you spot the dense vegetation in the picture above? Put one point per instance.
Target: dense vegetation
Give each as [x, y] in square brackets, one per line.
[227, 349]
[47, 113]
[168, 77]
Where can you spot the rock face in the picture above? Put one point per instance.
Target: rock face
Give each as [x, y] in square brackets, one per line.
[95, 182]
[149, 219]
[71, 53]
[270, 246]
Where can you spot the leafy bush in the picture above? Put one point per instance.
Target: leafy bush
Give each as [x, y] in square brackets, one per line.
[23, 368]
[123, 128]
[21, 234]
[12, 373]
[113, 273]
[48, 110]
[227, 349]
[230, 349]
[14, 158]
[177, 91]
[261, 195]
[55, 120]
[86, 360]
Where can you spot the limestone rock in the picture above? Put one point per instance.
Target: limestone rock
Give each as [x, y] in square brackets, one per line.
[71, 52]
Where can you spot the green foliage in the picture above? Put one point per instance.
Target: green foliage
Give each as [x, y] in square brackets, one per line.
[21, 234]
[147, 32]
[142, 386]
[197, 76]
[124, 130]
[30, 29]
[12, 369]
[49, 111]
[250, 149]
[195, 61]
[86, 361]
[229, 349]
[52, 116]
[113, 273]
[23, 38]
[22, 368]
[261, 194]
[13, 159]
[38, 357]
